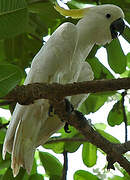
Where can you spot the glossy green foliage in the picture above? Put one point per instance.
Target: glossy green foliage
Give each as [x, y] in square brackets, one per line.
[13, 18]
[126, 34]
[116, 57]
[84, 175]
[36, 177]
[89, 154]
[52, 165]
[93, 103]
[59, 147]
[108, 136]
[100, 71]
[115, 116]
[10, 76]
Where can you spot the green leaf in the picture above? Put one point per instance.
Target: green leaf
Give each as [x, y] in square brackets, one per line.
[93, 52]
[2, 171]
[2, 135]
[93, 103]
[4, 163]
[51, 164]
[57, 147]
[10, 76]
[108, 136]
[116, 56]
[100, 71]
[3, 120]
[13, 17]
[101, 126]
[2, 53]
[84, 175]
[89, 154]
[115, 116]
[21, 49]
[34, 168]
[128, 117]
[71, 146]
[36, 177]
[126, 33]
[49, 16]
[8, 174]
[128, 60]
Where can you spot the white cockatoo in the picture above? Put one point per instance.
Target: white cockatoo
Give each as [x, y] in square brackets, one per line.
[61, 60]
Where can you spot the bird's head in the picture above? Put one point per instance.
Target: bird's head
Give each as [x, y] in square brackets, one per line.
[104, 21]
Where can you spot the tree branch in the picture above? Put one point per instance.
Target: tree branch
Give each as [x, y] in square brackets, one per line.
[26, 94]
[55, 93]
[113, 155]
[122, 148]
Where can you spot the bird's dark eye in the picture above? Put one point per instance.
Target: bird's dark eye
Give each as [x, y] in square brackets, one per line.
[108, 16]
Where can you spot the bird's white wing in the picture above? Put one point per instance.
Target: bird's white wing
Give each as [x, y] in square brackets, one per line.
[86, 74]
[51, 64]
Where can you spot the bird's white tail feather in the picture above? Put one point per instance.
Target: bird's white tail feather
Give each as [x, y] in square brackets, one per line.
[23, 152]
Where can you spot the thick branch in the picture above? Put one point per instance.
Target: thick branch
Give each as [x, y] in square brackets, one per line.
[26, 94]
[92, 136]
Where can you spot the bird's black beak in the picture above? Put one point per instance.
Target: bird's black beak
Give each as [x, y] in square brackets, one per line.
[117, 28]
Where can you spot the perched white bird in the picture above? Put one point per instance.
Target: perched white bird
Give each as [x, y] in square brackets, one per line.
[61, 60]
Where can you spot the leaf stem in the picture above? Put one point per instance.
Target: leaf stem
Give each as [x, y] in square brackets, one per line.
[124, 114]
[65, 166]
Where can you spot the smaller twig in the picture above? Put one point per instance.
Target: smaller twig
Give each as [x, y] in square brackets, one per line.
[56, 140]
[124, 114]
[4, 103]
[65, 166]
[37, 38]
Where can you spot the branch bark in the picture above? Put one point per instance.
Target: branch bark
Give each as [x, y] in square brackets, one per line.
[56, 93]
[26, 94]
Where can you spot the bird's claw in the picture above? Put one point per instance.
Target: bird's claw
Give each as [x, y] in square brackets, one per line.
[66, 128]
[69, 110]
[50, 111]
[69, 106]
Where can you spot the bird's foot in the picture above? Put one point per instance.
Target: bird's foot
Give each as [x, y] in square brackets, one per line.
[66, 128]
[69, 106]
[69, 110]
[50, 111]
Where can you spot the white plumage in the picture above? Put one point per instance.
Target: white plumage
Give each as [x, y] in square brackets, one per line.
[60, 60]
